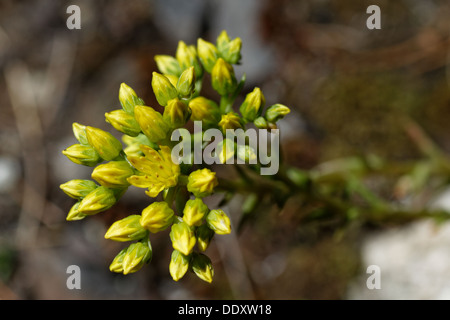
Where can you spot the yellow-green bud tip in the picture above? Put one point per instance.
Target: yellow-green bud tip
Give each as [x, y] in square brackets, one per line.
[186, 83]
[204, 236]
[123, 122]
[163, 89]
[151, 123]
[126, 229]
[82, 154]
[168, 65]
[253, 104]
[113, 174]
[106, 145]
[218, 221]
[202, 182]
[157, 217]
[79, 131]
[182, 237]
[205, 110]
[128, 98]
[207, 53]
[231, 120]
[78, 188]
[137, 255]
[202, 267]
[222, 77]
[276, 112]
[176, 113]
[98, 200]
[194, 211]
[178, 266]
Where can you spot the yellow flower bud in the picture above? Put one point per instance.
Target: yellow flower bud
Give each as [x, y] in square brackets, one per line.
[179, 265]
[182, 237]
[117, 264]
[123, 122]
[173, 79]
[225, 149]
[231, 120]
[247, 154]
[129, 99]
[134, 144]
[74, 214]
[194, 211]
[168, 65]
[207, 52]
[253, 105]
[79, 131]
[223, 78]
[163, 89]
[186, 83]
[82, 154]
[231, 52]
[276, 112]
[78, 188]
[204, 236]
[261, 123]
[202, 182]
[218, 221]
[176, 113]
[222, 40]
[187, 57]
[183, 55]
[202, 267]
[113, 174]
[126, 229]
[137, 255]
[106, 145]
[205, 110]
[98, 200]
[157, 217]
[151, 123]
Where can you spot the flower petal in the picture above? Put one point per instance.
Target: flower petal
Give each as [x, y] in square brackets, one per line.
[143, 181]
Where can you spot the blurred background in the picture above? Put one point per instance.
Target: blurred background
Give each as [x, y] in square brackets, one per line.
[348, 88]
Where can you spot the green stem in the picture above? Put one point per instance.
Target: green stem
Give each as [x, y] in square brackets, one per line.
[226, 101]
[121, 157]
[373, 201]
[225, 104]
[170, 195]
[183, 180]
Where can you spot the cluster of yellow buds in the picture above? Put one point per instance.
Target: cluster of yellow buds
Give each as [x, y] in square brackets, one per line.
[96, 146]
[146, 161]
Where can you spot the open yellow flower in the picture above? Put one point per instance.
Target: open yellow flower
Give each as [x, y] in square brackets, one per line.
[158, 172]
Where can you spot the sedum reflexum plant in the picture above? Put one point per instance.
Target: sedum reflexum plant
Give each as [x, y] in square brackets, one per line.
[177, 189]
